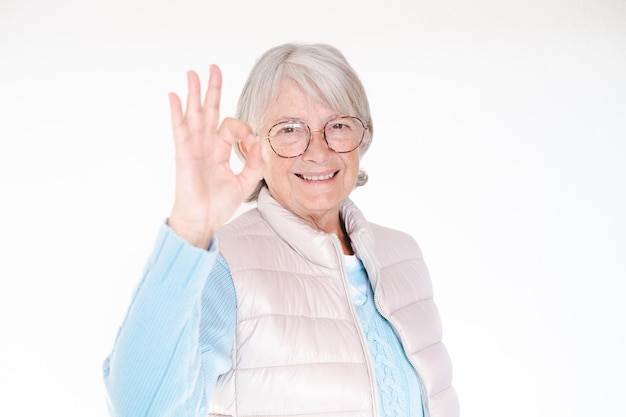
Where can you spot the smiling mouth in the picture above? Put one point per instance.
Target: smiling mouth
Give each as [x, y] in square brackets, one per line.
[317, 177]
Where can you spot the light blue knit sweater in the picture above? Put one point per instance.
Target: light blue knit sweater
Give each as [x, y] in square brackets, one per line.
[179, 329]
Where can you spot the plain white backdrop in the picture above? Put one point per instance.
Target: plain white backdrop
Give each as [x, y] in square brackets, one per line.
[500, 145]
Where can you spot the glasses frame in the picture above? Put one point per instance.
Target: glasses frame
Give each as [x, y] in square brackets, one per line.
[323, 130]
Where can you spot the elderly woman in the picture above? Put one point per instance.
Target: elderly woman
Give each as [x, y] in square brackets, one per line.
[300, 306]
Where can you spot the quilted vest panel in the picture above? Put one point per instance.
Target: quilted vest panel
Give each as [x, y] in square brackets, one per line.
[299, 350]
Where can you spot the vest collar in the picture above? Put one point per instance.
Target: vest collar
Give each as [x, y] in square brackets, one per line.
[316, 246]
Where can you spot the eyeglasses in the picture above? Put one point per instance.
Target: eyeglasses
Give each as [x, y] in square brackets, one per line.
[291, 138]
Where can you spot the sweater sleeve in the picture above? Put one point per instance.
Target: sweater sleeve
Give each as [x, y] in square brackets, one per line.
[160, 365]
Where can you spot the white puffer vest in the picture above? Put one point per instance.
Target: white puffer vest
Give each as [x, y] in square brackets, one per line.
[299, 349]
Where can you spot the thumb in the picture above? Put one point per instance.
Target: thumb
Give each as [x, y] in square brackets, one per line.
[252, 171]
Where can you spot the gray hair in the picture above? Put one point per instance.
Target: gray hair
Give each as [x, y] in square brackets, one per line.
[321, 71]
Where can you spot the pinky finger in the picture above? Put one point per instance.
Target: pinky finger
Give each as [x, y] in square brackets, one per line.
[176, 110]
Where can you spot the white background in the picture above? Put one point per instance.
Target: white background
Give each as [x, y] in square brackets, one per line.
[500, 145]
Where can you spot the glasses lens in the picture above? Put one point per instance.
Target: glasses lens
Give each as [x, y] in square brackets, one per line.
[289, 139]
[344, 134]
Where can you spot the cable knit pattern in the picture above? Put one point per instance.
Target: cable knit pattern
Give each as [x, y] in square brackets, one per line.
[395, 377]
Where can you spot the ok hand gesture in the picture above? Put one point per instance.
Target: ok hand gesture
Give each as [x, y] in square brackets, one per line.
[207, 190]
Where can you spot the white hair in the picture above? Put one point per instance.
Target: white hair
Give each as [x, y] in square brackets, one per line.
[324, 75]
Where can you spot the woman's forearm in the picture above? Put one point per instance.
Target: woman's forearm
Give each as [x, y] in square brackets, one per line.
[155, 366]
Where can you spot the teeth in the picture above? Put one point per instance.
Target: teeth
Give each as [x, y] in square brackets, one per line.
[318, 177]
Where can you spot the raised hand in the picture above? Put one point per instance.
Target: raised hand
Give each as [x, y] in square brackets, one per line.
[207, 190]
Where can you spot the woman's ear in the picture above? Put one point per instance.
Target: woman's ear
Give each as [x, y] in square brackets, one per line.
[243, 149]
[246, 144]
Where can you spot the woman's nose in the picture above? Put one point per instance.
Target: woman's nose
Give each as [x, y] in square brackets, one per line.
[318, 148]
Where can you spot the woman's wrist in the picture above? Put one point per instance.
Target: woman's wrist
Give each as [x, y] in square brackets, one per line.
[197, 234]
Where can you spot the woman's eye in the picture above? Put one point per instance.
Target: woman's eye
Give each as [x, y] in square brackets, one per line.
[290, 129]
[341, 126]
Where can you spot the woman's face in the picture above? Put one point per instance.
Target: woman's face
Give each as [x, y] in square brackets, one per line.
[314, 184]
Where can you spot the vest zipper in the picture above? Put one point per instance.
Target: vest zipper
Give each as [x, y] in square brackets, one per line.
[365, 253]
[368, 359]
